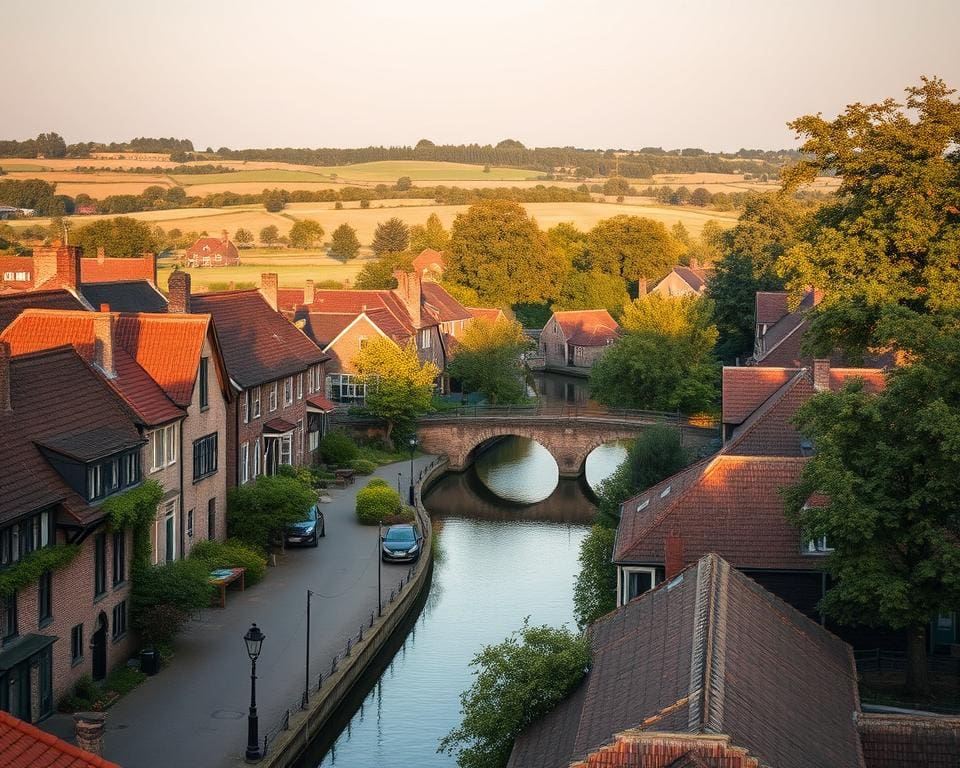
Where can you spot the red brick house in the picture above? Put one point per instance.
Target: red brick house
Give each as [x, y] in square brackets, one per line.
[63, 266]
[429, 264]
[684, 281]
[279, 412]
[708, 670]
[69, 443]
[212, 252]
[577, 338]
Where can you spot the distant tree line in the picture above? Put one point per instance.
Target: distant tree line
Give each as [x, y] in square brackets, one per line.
[53, 145]
[160, 170]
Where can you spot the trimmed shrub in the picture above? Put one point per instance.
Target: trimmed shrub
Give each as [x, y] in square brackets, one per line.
[337, 448]
[232, 553]
[258, 512]
[376, 502]
[376, 482]
[363, 466]
[124, 679]
[159, 624]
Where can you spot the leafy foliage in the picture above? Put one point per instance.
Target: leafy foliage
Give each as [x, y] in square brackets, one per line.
[363, 466]
[378, 274]
[305, 233]
[399, 386]
[231, 554]
[595, 590]
[432, 234]
[165, 595]
[337, 448]
[488, 361]
[377, 502]
[593, 290]
[33, 566]
[631, 247]
[390, 236]
[344, 244]
[517, 682]
[258, 512]
[120, 236]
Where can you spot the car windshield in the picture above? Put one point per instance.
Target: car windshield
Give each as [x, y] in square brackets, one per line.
[400, 534]
[311, 515]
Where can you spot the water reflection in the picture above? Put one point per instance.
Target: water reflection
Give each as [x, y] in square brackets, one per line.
[555, 389]
[518, 469]
[604, 460]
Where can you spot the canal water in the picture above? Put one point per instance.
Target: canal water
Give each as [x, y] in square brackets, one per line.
[509, 533]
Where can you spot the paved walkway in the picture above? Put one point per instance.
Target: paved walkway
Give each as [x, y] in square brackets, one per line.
[194, 713]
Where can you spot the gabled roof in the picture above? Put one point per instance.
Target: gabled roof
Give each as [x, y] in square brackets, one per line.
[55, 396]
[694, 277]
[25, 746]
[710, 653]
[745, 388]
[445, 307]
[211, 246]
[258, 343]
[771, 306]
[486, 313]
[587, 327]
[125, 296]
[728, 504]
[429, 259]
[909, 741]
[36, 330]
[12, 304]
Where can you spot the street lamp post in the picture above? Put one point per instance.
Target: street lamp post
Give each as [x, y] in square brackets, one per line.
[254, 640]
[413, 445]
[399, 475]
[380, 565]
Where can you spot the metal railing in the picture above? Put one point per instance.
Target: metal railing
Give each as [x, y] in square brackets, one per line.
[877, 660]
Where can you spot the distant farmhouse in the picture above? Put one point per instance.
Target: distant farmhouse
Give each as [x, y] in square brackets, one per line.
[684, 281]
[576, 339]
[9, 212]
[212, 252]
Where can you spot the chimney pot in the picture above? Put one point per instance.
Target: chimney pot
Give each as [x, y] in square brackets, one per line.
[178, 292]
[821, 374]
[409, 289]
[308, 292]
[5, 403]
[88, 730]
[103, 343]
[269, 288]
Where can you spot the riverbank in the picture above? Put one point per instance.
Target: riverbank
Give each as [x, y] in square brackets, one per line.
[194, 713]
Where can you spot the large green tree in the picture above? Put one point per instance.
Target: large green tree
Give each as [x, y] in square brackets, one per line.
[487, 360]
[632, 247]
[390, 236]
[119, 237]
[305, 233]
[571, 242]
[887, 475]
[893, 233]
[665, 359]
[500, 252]
[429, 235]
[344, 244]
[592, 290]
[378, 274]
[516, 682]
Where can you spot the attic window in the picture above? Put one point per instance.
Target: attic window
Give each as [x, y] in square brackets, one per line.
[665, 492]
[643, 504]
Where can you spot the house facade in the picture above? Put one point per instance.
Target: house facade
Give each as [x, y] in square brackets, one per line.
[684, 281]
[577, 338]
[212, 252]
[64, 266]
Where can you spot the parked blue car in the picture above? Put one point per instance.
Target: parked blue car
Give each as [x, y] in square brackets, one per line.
[308, 531]
[401, 544]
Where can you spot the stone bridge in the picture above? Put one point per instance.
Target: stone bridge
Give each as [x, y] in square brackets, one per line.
[569, 439]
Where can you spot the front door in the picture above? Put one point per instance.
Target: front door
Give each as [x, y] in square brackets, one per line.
[18, 692]
[273, 459]
[99, 645]
[569, 354]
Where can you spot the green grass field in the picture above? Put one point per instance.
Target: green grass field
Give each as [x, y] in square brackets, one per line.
[389, 171]
[267, 176]
[23, 167]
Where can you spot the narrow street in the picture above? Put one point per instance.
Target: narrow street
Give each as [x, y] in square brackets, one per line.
[193, 714]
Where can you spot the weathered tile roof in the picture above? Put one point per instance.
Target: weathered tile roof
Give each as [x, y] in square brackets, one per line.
[771, 306]
[111, 270]
[324, 328]
[259, 344]
[211, 246]
[695, 277]
[446, 308]
[429, 259]
[487, 313]
[709, 652]
[12, 304]
[125, 296]
[641, 749]
[745, 388]
[36, 330]
[910, 741]
[54, 396]
[728, 504]
[320, 403]
[25, 746]
[587, 327]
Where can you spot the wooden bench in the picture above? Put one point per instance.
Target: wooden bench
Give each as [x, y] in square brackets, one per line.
[224, 576]
[344, 477]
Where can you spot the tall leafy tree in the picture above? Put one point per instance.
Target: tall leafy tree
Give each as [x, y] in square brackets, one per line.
[893, 234]
[344, 244]
[571, 242]
[593, 290]
[390, 236]
[378, 274]
[632, 247]
[399, 386]
[119, 237]
[429, 235]
[888, 467]
[487, 360]
[305, 233]
[241, 236]
[270, 234]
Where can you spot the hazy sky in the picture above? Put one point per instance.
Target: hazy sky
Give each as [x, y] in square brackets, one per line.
[719, 75]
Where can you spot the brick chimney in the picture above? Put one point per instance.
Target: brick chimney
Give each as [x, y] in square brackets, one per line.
[5, 404]
[694, 263]
[409, 290]
[103, 342]
[224, 236]
[269, 288]
[641, 287]
[178, 292]
[150, 267]
[60, 261]
[821, 375]
[101, 255]
[817, 296]
[88, 728]
[308, 294]
[673, 555]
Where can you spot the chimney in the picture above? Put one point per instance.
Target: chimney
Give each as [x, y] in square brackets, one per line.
[821, 375]
[101, 255]
[269, 288]
[5, 404]
[88, 728]
[409, 289]
[673, 555]
[60, 261]
[641, 287]
[104, 307]
[150, 267]
[694, 263]
[178, 292]
[103, 342]
[817, 296]
[224, 236]
[308, 293]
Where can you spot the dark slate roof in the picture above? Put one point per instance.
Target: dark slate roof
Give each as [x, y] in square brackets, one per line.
[709, 652]
[259, 344]
[91, 444]
[125, 296]
[12, 304]
[54, 396]
[910, 741]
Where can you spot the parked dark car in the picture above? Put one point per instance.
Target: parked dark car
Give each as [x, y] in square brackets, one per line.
[401, 544]
[308, 531]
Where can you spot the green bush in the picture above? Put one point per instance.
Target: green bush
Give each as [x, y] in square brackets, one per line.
[376, 502]
[232, 553]
[377, 482]
[159, 624]
[258, 512]
[124, 679]
[363, 467]
[337, 448]
[165, 595]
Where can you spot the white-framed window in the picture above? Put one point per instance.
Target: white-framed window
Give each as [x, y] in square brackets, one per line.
[256, 403]
[818, 546]
[286, 449]
[165, 532]
[310, 381]
[635, 581]
[244, 462]
[317, 378]
[272, 400]
[245, 407]
[299, 386]
[361, 342]
[288, 390]
[256, 458]
[425, 338]
[163, 444]
[345, 387]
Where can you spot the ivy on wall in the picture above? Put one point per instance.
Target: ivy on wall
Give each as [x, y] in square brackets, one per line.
[135, 509]
[34, 565]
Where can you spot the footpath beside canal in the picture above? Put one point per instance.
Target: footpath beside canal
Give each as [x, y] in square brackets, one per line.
[194, 713]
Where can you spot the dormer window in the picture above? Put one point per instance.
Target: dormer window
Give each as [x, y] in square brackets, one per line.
[109, 476]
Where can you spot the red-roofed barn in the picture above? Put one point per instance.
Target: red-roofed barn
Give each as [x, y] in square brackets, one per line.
[577, 338]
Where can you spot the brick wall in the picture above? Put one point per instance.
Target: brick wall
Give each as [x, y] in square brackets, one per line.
[553, 344]
[347, 346]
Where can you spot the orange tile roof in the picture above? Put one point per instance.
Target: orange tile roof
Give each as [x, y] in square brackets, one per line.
[12, 304]
[114, 270]
[487, 313]
[745, 389]
[874, 379]
[771, 306]
[587, 327]
[447, 308]
[429, 258]
[25, 746]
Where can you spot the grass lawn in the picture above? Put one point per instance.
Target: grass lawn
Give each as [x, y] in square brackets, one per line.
[388, 171]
